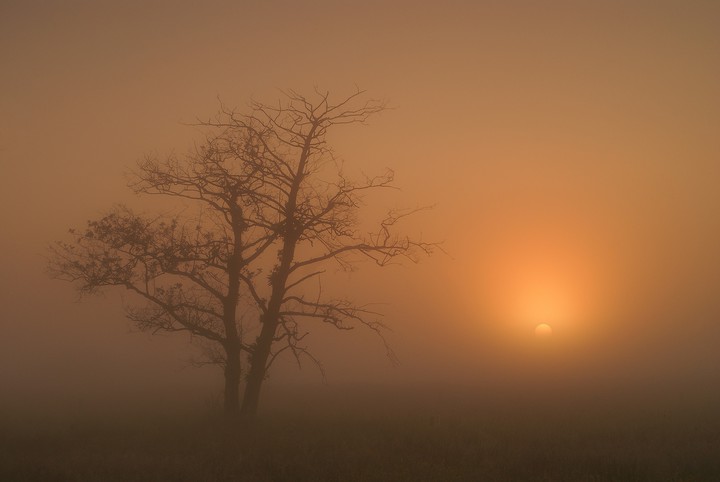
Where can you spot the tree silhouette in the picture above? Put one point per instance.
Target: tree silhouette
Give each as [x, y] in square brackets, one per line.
[271, 197]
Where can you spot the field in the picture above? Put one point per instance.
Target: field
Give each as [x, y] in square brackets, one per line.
[377, 435]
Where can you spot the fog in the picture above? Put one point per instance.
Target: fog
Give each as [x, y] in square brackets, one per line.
[569, 150]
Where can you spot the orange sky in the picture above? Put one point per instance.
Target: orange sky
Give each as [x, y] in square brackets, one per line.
[570, 148]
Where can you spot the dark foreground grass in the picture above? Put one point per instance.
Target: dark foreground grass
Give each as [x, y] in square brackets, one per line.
[501, 443]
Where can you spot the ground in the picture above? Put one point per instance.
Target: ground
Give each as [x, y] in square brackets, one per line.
[461, 441]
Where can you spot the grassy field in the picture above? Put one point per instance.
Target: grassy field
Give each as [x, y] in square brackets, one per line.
[336, 439]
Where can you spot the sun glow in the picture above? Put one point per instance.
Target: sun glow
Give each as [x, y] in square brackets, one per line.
[535, 299]
[539, 271]
[542, 301]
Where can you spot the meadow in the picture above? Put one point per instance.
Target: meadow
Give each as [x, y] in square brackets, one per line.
[362, 434]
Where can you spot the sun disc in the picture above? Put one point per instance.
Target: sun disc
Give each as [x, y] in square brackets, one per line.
[543, 330]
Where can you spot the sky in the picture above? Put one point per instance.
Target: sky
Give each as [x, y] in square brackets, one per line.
[569, 149]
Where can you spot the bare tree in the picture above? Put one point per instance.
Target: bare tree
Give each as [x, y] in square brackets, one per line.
[187, 269]
[315, 220]
[267, 179]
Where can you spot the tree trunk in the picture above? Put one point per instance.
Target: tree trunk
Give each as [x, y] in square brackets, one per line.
[251, 398]
[258, 367]
[290, 236]
[231, 404]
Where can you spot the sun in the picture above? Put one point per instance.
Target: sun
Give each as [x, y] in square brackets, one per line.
[543, 330]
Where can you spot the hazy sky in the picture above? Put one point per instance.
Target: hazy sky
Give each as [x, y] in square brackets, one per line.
[570, 147]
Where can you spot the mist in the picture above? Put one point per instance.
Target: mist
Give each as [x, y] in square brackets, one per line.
[567, 151]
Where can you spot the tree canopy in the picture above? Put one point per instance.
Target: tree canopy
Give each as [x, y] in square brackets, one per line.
[273, 208]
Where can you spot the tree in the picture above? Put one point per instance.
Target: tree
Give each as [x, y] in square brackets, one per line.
[273, 199]
[186, 268]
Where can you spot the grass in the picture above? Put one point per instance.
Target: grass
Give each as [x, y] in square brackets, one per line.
[333, 441]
